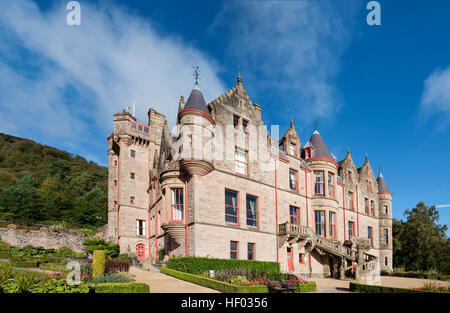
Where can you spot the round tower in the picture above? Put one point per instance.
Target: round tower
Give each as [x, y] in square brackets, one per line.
[197, 134]
[385, 222]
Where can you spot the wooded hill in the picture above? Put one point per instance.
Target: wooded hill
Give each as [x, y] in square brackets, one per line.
[41, 184]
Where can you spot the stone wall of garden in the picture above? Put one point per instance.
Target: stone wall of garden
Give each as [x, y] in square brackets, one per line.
[42, 238]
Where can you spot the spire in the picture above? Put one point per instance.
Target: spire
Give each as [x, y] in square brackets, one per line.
[196, 102]
[382, 186]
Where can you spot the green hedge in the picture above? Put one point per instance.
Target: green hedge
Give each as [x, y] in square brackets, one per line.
[57, 267]
[4, 255]
[224, 286]
[47, 259]
[357, 287]
[196, 265]
[25, 263]
[122, 288]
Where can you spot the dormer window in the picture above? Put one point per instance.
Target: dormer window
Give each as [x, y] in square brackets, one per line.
[308, 153]
[292, 149]
[236, 122]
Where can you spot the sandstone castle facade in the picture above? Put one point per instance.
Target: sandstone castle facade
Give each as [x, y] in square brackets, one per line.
[292, 203]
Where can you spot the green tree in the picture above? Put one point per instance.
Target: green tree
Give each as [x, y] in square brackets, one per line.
[420, 243]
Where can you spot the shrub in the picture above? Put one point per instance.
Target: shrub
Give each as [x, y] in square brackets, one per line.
[161, 254]
[24, 263]
[56, 267]
[98, 263]
[4, 255]
[112, 266]
[65, 252]
[112, 278]
[198, 266]
[111, 250]
[357, 287]
[122, 288]
[125, 257]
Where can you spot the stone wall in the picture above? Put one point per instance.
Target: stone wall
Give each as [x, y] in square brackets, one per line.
[42, 238]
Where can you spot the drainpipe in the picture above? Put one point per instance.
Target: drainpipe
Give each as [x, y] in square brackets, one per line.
[149, 243]
[307, 219]
[357, 211]
[117, 191]
[276, 206]
[156, 220]
[186, 212]
[343, 208]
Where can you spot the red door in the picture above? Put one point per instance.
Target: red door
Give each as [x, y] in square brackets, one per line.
[140, 251]
[289, 260]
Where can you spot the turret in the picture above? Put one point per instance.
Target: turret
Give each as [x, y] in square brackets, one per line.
[197, 132]
[385, 222]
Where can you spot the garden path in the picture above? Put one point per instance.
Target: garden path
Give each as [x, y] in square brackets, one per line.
[161, 283]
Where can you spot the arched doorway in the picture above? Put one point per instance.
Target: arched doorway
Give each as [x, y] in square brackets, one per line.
[140, 251]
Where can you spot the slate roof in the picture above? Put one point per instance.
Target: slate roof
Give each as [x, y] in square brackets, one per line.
[320, 148]
[382, 186]
[196, 101]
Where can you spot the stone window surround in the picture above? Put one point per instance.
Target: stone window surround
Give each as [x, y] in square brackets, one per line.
[253, 250]
[139, 228]
[236, 251]
[296, 180]
[247, 209]
[325, 186]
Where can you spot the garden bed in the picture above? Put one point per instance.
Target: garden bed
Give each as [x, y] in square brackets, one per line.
[357, 287]
[228, 287]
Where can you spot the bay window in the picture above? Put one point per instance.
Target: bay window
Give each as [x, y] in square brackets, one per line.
[318, 186]
[177, 204]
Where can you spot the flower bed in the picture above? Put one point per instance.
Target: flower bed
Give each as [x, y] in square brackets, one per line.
[357, 287]
[230, 282]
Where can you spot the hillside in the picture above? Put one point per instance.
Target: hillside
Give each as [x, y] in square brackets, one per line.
[41, 184]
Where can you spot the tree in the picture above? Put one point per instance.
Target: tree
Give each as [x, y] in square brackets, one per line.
[420, 243]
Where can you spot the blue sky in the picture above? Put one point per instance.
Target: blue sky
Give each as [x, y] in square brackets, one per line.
[378, 90]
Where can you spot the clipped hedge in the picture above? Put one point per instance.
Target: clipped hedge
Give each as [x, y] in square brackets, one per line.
[4, 255]
[357, 287]
[227, 287]
[98, 263]
[56, 267]
[214, 284]
[197, 265]
[122, 288]
[24, 263]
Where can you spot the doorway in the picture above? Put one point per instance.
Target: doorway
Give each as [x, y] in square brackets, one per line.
[290, 259]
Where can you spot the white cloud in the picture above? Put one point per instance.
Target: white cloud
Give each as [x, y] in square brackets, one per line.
[67, 81]
[291, 49]
[436, 96]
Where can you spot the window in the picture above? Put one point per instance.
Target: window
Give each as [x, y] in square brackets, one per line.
[240, 161]
[294, 215]
[370, 235]
[320, 222]
[366, 205]
[250, 251]
[140, 227]
[370, 186]
[372, 208]
[177, 203]
[332, 223]
[386, 260]
[115, 162]
[331, 185]
[244, 126]
[350, 178]
[133, 125]
[351, 230]
[385, 209]
[386, 236]
[132, 175]
[252, 211]
[231, 207]
[236, 122]
[115, 203]
[318, 187]
[133, 153]
[115, 183]
[350, 200]
[132, 199]
[308, 153]
[234, 250]
[301, 257]
[292, 149]
[293, 180]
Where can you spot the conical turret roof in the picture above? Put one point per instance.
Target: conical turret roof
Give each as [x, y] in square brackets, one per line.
[382, 186]
[196, 101]
[320, 148]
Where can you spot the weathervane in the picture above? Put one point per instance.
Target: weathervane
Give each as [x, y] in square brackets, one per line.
[196, 74]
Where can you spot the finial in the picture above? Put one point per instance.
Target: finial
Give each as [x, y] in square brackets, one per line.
[182, 99]
[196, 74]
[367, 157]
[292, 123]
[348, 150]
[239, 79]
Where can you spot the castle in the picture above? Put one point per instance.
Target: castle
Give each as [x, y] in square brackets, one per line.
[222, 187]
